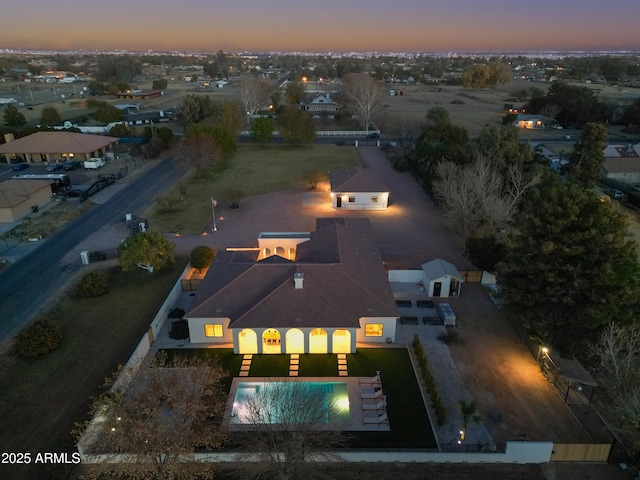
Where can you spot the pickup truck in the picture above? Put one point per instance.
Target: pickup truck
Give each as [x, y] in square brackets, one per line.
[94, 163]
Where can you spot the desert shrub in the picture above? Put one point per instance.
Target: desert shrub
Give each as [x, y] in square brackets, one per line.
[179, 330]
[429, 381]
[97, 256]
[201, 257]
[93, 284]
[41, 338]
[176, 313]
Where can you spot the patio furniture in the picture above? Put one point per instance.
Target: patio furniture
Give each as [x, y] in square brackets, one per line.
[404, 303]
[373, 406]
[369, 380]
[425, 304]
[371, 393]
[377, 419]
[409, 320]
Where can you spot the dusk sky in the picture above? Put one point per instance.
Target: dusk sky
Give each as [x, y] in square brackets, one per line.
[323, 25]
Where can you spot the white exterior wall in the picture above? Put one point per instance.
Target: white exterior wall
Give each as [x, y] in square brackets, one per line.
[283, 335]
[196, 330]
[362, 201]
[288, 244]
[406, 276]
[388, 329]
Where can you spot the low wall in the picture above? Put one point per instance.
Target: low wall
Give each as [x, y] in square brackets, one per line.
[515, 452]
[406, 276]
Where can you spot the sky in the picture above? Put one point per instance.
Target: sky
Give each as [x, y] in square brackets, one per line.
[322, 25]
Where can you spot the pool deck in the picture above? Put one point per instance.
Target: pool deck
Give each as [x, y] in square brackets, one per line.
[354, 390]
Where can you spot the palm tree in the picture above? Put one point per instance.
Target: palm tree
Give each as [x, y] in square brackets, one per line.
[468, 411]
[431, 152]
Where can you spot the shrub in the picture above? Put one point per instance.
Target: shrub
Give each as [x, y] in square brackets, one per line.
[176, 313]
[201, 257]
[97, 256]
[179, 330]
[93, 284]
[41, 338]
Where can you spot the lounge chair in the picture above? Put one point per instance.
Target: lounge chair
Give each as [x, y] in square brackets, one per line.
[371, 393]
[377, 419]
[369, 380]
[373, 406]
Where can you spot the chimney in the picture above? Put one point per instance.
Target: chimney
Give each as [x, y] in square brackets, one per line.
[298, 278]
[8, 137]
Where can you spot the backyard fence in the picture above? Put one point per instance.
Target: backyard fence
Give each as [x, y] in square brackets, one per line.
[580, 452]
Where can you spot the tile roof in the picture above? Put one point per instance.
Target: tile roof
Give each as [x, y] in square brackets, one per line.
[344, 279]
[57, 142]
[622, 164]
[354, 179]
[14, 192]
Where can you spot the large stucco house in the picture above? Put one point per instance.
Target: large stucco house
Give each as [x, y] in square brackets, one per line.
[357, 189]
[55, 147]
[307, 292]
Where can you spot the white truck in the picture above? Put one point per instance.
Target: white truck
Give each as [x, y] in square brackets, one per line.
[94, 163]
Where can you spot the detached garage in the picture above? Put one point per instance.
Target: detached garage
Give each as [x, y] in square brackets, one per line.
[357, 189]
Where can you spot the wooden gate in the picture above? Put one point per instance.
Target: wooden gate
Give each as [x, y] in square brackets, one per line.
[580, 452]
[471, 276]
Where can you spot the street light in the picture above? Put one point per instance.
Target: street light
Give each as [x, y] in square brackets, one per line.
[213, 214]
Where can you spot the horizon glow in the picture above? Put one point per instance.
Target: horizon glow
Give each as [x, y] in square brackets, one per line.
[329, 26]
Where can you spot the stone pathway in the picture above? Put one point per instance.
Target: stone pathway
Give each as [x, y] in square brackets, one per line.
[246, 365]
[294, 365]
[343, 371]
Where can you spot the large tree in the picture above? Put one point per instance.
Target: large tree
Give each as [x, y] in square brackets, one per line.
[199, 150]
[363, 96]
[587, 158]
[480, 199]
[570, 267]
[13, 117]
[289, 431]
[295, 125]
[159, 415]
[262, 130]
[617, 368]
[254, 93]
[50, 116]
[149, 250]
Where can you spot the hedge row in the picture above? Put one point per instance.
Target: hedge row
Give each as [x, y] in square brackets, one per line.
[429, 381]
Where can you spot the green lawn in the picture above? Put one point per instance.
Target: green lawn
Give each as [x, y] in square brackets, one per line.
[410, 426]
[43, 398]
[254, 170]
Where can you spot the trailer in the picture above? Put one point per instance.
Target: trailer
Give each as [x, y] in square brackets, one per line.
[445, 312]
[94, 163]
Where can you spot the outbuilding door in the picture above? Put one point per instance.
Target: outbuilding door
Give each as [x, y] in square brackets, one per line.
[338, 201]
[437, 289]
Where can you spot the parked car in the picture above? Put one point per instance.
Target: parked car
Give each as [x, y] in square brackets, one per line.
[373, 135]
[556, 126]
[614, 193]
[71, 165]
[54, 167]
[20, 166]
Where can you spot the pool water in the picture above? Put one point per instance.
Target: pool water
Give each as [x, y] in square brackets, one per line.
[290, 402]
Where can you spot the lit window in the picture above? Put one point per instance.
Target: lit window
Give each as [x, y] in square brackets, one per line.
[352, 199]
[373, 330]
[213, 330]
[374, 199]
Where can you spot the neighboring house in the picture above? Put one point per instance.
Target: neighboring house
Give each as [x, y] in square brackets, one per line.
[356, 189]
[442, 279]
[334, 295]
[622, 163]
[530, 121]
[321, 103]
[52, 147]
[17, 198]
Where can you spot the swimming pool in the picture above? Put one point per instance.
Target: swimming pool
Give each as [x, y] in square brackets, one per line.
[280, 402]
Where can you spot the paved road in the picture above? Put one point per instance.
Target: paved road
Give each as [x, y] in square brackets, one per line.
[27, 283]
